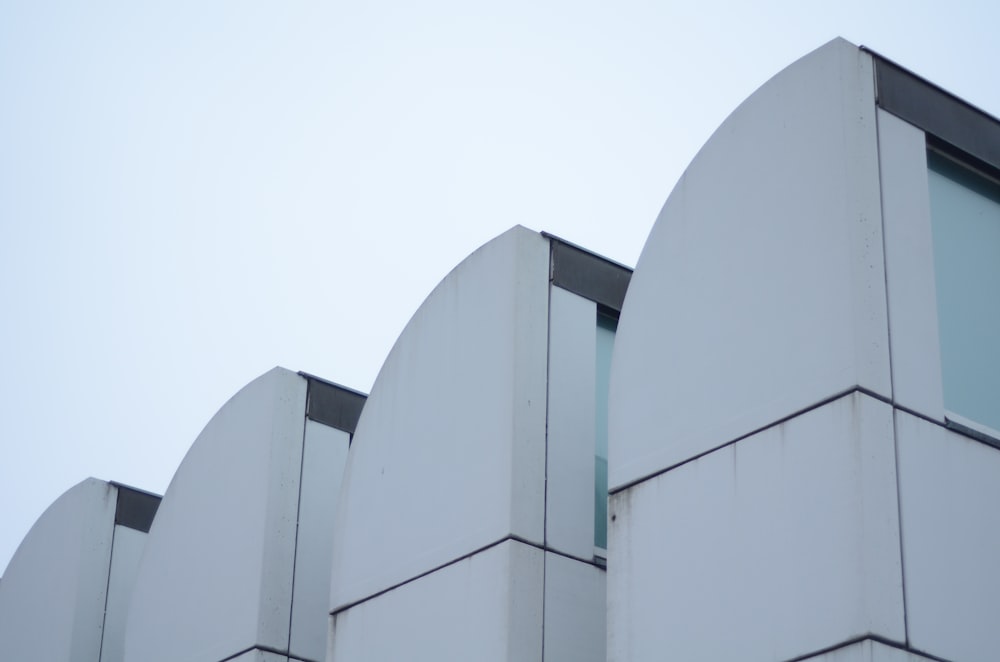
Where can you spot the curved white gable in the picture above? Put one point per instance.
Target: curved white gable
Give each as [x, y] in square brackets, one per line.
[761, 288]
[449, 453]
[52, 597]
[216, 576]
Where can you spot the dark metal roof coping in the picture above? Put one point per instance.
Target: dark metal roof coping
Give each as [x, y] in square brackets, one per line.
[332, 404]
[945, 118]
[587, 274]
[135, 508]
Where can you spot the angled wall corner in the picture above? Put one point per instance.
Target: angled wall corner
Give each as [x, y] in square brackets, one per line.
[216, 577]
[868, 650]
[65, 593]
[449, 452]
[761, 290]
[470, 610]
[787, 542]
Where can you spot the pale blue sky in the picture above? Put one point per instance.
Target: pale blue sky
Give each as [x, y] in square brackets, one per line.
[194, 192]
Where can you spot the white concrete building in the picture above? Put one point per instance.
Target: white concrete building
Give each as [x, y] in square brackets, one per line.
[805, 397]
[801, 441]
[473, 504]
[467, 527]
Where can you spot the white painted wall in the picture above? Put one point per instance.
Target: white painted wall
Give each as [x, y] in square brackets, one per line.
[949, 487]
[909, 267]
[264, 656]
[774, 547]
[125, 557]
[486, 607]
[760, 293]
[868, 651]
[53, 593]
[449, 453]
[216, 576]
[575, 610]
[261, 656]
[760, 290]
[575, 589]
[323, 458]
[569, 520]
[449, 458]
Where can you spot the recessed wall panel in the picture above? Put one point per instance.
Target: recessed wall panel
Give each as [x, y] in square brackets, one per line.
[909, 256]
[323, 457]
[125, 557]
[570, 442]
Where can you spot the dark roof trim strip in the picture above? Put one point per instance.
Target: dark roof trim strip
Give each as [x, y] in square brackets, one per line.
[591, 276]
[332, 404]
[941, 115]
[135, 508]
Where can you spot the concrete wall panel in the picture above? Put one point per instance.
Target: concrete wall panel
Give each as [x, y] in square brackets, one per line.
[216, 576]
[575, 614]
[771, 548]
[324, 456]
[125, 557]
[261, 656]
[449, 453]
[868, 651]
[949, 486]
[760, 291]
[487, 607]
[53, 593]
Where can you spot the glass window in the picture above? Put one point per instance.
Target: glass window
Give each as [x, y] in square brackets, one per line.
[965, 222]
[606, 327]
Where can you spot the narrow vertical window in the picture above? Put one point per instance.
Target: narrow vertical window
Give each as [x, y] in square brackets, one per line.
[965, 222]
[606, 327]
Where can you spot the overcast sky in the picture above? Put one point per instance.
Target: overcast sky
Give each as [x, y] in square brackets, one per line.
[192, 192]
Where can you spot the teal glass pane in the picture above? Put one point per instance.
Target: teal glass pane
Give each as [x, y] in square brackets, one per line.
[965, 221]
[606, 327]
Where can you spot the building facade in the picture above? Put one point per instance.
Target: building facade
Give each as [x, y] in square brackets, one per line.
[804, 396]
[777, 440]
